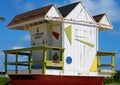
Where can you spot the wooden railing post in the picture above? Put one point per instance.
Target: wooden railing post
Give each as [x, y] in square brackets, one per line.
[29, 62]
[44, 60]
[16, 67]
[98, 62]
[112, 62]
[62, 55]
[5, 62]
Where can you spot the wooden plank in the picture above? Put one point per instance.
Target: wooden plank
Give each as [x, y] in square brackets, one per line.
[101, 53]
[22, 53]
[32, 48]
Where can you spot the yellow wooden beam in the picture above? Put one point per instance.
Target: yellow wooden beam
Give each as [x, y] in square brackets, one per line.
[44, 61]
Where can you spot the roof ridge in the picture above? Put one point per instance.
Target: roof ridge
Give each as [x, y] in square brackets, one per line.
[66, 9]
[99, 14]
[98, 17]
[70, 4]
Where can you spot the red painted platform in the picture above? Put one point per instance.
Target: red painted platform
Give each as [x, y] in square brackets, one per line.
[54, 80]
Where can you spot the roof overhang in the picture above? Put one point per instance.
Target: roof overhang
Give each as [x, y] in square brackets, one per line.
[103, 27]
[25, 24]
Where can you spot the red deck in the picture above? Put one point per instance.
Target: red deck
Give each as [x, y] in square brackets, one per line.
[54, 80]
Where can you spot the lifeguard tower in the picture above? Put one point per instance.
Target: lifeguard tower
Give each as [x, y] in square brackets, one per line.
[64, 47]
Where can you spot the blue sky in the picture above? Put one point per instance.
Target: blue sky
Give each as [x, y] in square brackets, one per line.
[108, 40]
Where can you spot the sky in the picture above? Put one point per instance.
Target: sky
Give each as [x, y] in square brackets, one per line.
[109, 40]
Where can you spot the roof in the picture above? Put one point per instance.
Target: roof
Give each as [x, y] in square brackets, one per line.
[98, 17]
[65, 10]
[31, 15]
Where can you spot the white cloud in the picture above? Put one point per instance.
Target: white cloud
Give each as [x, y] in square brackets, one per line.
[15, 47]
[29, 6]
[1, 53]
[103, 6]
[22, 5]
[1, 60]
[23, 41]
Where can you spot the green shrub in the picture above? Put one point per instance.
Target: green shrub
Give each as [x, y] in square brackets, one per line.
[116, 76]
[4, 81]
[108, 80]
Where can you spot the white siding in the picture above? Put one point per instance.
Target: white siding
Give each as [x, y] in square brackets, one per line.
[82, 54]
[56, 42]
[79, 13]
[105, 21]
[53, 12]
[42, 35]
[38, 38]
[39, 35]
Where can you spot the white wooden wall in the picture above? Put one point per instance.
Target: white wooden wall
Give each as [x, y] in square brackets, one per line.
[105, 21]
[82, 55]
[38, 38]
[53, 12]
[80, 13]
[44, 35]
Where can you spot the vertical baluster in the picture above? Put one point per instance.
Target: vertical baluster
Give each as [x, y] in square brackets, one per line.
[29, 62]
[5, 62]
[62, 55]
[44, 60]
[16, 67]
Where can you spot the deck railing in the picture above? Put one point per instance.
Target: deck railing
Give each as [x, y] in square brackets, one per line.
[111, 64]
[29, 63]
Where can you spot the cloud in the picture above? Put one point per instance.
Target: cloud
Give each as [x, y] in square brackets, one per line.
[1, 60]
[109, 7]
[15, 47]
[29, 6]
[22, 5]
[1, 53]
[22, 42]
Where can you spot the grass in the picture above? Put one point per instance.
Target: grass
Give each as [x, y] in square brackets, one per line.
[4, 81]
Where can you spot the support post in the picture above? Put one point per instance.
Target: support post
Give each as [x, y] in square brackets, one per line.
[30, 64]
[16, 67]
[98, 63]
[62, 55]
[5, 62]
[44, 60]
[112, 62]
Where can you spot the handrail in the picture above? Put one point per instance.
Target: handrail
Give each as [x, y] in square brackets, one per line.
[33, 48]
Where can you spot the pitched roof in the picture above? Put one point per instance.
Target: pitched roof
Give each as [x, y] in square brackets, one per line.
[31, 15]
[98, 17]
[65, 10]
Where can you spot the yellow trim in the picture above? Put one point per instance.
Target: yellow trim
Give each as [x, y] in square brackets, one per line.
[87, 43]
[94, 65]
[68, 31]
